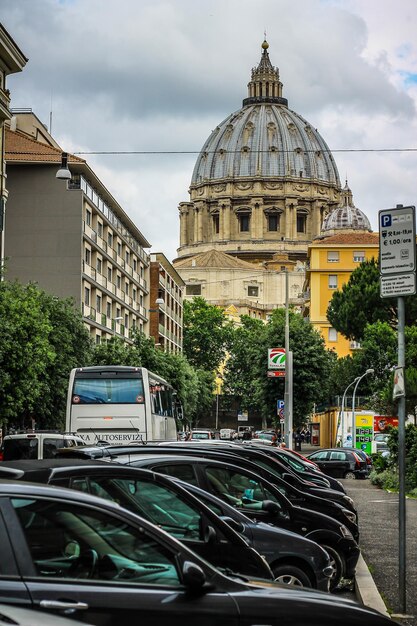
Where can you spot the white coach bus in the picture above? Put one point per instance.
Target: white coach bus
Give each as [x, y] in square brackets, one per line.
[120, 404]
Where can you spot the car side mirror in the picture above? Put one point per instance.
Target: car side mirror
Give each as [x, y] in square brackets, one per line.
[233, 523]
[210, 535]
[193, 576]
[271, 507]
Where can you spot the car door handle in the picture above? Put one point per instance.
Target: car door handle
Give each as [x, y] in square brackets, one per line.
[62, 606]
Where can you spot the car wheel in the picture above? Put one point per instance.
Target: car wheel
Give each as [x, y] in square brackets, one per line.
[291, 575]
[338, 568]
[349, 475]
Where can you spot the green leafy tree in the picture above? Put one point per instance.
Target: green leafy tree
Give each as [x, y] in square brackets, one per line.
[246, 368]
[359, 303]
[70, 341]
[115, 351]
[42, 339]
[206, 334]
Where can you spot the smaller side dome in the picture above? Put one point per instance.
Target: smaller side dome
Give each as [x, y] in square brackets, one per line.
[346, 216]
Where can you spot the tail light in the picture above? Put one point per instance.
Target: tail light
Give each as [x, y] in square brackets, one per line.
[1, 455]
[357, 460]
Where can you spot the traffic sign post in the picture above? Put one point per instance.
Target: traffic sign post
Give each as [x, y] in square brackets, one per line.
[397, 264]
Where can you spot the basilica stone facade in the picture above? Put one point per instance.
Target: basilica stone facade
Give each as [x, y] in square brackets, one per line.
[262, 185]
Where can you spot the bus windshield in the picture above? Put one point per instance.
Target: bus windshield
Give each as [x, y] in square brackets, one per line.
[108, 391]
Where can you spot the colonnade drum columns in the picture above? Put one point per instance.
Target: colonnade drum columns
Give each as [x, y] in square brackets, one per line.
[196, 219]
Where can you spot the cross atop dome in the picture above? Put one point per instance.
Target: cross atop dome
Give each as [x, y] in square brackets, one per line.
[265, 85]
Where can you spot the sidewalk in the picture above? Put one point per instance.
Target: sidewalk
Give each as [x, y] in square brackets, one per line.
[378, 526]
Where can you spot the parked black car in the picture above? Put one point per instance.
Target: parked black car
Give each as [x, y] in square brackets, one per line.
[156, 498]
[340, 463]
[305, 470]
[293, 559]
[285, 471]
[262, 500]
[257, 462]
[63, 550]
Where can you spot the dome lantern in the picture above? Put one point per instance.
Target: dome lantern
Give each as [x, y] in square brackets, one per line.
[265, 85]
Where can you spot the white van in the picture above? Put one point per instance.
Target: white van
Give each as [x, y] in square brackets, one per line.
[228, 433]
[36, 445]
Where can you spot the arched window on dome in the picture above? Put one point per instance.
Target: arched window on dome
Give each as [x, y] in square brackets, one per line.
[302, 215]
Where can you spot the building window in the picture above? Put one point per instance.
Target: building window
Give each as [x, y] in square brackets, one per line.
[193, 290]
[301, 222]
[253, 291]
[109, 274]
[119, 248]
[134, 295]
[88, 217]
[332, 281]
[99, 265]
[332, 336]
[98, 339]
[333, 256]
[135, 265]
[358, 256]
[98, 304]
[244, 223]
[126, 321]
[127, 257]
[216, 224]
[110, 239]
[273, 222]
[108, 309]
[87, 256]
[127, 289]
[86, 296]
[119, 281]
[100, 229]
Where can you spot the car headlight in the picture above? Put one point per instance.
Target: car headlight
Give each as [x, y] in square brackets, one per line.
[350, 515]
[346, 532]
[348, 499]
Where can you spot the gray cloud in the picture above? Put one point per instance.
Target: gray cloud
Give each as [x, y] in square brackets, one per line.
[161, 74]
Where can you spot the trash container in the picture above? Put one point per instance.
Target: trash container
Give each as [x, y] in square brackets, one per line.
[297, 442]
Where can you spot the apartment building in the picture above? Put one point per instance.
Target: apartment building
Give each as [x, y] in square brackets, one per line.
[71, 236]
[12, 60]
[346, 241]
[166, 297]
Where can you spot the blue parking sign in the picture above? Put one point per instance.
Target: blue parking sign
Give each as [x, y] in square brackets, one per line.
[386, 220]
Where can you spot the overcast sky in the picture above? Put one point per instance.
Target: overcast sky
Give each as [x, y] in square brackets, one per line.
[160, 75]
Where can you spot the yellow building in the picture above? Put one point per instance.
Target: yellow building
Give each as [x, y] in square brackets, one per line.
[346, 241]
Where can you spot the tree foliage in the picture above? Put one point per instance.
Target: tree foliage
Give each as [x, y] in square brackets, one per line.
[246, 367]
[42, 338]
[206, 334]
[359, 303]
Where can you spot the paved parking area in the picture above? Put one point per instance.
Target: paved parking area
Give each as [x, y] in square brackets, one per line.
[378, 525]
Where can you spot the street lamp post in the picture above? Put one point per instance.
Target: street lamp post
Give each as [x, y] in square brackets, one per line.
[358, 380]
[218, 387]
[342, 417]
